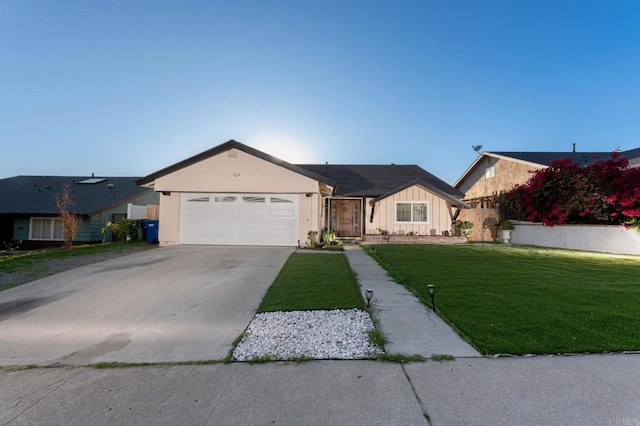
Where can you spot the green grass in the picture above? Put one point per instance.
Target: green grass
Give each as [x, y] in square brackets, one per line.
[115, 364]
[20, 267]
[313, 281]
[18, 261]
[520, 300]
[400, 358]
[442, 357]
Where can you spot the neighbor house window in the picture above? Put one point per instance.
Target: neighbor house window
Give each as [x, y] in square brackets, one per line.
[489, 172]
[412, 212]
[45, 228]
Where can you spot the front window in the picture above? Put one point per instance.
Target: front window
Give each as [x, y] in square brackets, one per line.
[489, 172]
[412, 212]
[46, 228]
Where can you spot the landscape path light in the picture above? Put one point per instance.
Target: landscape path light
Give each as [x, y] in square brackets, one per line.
[432, 292]
[369, 295]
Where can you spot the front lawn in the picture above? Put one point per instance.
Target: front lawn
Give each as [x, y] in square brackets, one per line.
[313, 281]
[20, 267]
[518, 300]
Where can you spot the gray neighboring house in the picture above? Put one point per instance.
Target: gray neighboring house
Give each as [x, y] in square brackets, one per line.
[28, 210]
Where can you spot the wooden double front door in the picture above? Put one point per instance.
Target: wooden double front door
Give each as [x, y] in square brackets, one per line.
[346, 217]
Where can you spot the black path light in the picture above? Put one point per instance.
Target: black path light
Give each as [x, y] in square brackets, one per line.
[432, 292]
[369, 295]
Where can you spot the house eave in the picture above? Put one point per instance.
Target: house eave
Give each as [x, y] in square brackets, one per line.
[149, 180]
[484, 155]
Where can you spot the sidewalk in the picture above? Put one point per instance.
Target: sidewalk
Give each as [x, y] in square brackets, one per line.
[409, 326]
[559, 390]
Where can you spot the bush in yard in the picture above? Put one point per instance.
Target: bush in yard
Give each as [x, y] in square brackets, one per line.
[605, 192]
[124, 230]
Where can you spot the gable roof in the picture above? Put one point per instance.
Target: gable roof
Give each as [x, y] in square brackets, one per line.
[232, 144]
[347, 180]
[34, 195]
[544, 159]
[419, 182]
[633, 155]
[378, 180]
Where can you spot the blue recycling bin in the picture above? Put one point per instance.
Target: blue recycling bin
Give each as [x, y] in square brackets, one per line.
[151, 228]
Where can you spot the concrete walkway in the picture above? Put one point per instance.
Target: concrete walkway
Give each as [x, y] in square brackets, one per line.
[409, 326]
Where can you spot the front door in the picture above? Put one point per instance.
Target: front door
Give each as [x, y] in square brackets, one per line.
[345, 217]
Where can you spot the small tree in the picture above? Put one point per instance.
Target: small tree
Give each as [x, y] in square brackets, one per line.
[70, 222]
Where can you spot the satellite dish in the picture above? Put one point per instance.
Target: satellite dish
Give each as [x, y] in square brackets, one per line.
[477, 148]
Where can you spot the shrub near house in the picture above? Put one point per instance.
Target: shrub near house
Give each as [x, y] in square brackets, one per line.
[605, 192]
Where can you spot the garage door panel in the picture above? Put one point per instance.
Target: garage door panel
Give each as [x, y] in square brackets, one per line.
[281, 225]
[257, 240]
[279, 212]
[257, 213]
[275, 240]
[256, 225]
[239, 219]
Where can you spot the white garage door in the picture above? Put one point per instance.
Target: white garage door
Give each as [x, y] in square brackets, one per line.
[239, 219]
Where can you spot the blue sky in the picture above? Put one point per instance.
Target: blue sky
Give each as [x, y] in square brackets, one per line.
[128, 87]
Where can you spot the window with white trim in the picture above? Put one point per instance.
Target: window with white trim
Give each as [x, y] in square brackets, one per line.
[45, 228]
[412, 212]
[489, 172]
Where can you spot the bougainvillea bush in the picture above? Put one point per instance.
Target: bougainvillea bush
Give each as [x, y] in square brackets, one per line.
[604, 192]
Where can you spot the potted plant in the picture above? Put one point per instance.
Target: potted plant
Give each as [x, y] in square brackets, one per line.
[505, 227]
[465, 227]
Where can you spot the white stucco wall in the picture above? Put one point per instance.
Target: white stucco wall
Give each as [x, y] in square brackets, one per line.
[598, 238]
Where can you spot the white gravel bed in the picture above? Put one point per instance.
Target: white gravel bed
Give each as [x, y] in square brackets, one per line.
[337, 334]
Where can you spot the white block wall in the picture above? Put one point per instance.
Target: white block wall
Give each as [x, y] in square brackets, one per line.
[599, 238]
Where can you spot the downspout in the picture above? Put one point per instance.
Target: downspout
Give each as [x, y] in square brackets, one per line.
[453, 221]
[373, 208]
[455, 216]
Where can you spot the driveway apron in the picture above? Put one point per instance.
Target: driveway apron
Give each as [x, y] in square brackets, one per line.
[180, 303]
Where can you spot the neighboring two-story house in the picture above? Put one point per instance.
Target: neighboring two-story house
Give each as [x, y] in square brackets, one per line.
[495, 172]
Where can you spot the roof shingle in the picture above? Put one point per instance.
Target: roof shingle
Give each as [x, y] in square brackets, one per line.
[376, 180]
[35, 194]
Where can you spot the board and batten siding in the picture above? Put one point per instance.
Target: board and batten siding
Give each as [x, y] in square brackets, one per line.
[439, 213]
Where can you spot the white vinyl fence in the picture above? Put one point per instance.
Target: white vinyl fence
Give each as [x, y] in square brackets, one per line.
[136, 212]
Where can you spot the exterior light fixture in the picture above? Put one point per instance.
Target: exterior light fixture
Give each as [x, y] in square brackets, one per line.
[432, 292]
[369, 295]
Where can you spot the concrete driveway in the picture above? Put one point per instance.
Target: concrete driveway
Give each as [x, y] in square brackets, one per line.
[181, 303]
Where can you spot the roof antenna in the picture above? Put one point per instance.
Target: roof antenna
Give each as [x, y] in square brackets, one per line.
[477, 148]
